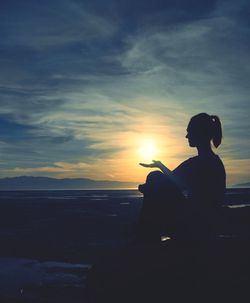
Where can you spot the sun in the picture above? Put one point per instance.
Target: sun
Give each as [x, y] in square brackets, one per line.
[147, 150]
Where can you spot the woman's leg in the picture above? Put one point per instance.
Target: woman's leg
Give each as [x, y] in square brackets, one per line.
[161, 206]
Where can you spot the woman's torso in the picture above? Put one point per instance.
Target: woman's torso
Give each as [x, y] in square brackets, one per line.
[204, 178]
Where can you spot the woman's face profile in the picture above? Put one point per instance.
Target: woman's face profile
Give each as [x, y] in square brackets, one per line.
[190, 136]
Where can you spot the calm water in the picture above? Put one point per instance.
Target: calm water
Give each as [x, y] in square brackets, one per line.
[66, 225]
[49, 239]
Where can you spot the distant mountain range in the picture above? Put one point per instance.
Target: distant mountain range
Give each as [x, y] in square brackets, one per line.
[45, 183]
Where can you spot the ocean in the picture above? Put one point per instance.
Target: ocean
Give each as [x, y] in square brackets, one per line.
[50, 239]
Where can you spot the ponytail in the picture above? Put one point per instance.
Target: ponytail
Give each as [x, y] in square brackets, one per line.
[216, 130]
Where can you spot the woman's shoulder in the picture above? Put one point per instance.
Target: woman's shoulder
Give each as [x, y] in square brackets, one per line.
[192, 160]
[200, 162]
[212, 160]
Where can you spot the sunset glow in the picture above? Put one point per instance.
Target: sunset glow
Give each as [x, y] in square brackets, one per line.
[148, 150]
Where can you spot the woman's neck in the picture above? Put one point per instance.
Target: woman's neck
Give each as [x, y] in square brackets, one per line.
[205, 149]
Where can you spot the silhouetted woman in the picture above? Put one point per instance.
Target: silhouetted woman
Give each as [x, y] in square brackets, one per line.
[202, 176]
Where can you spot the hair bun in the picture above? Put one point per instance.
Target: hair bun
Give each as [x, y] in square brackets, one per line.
[216, 130]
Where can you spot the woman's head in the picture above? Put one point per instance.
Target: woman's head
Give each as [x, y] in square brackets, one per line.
[203, 128]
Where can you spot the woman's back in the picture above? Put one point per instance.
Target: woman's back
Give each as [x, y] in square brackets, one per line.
[204, 178]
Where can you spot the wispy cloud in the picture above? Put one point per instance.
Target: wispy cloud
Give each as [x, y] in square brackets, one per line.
[55, 25]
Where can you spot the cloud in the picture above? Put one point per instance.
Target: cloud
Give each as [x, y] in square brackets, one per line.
[57, 169]
[54, 25]
[88, 84]
[203, 54]
[199, 66]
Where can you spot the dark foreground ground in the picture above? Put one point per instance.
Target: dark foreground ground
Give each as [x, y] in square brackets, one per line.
[50, 240]
[212, 272]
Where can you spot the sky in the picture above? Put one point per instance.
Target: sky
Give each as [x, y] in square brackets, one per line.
[91, 88]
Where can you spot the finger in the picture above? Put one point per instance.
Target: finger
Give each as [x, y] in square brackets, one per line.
[144, 164]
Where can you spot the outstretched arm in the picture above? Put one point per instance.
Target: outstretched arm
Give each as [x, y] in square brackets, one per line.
[158, 164]
[172, 174]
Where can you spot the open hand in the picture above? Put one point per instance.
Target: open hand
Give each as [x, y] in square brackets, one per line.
[153, 164]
